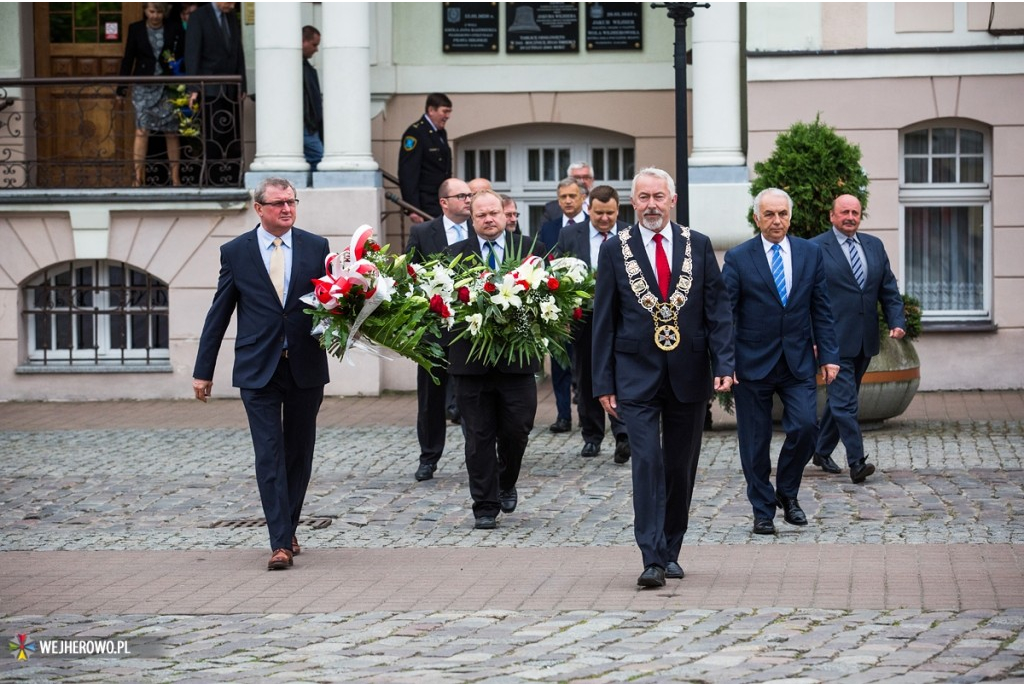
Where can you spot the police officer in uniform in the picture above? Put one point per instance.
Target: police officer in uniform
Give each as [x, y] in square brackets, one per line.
[425, 160]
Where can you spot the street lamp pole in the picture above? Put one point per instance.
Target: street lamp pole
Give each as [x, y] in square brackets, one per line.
[680, 13]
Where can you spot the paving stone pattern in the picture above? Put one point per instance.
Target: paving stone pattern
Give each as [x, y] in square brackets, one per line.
[915, 576]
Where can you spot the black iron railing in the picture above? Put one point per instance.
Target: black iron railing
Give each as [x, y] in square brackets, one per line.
[81, 133]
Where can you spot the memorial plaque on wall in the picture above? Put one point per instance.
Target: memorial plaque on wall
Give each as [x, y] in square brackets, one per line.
[542, 27]
[614, 26]
[470, 26]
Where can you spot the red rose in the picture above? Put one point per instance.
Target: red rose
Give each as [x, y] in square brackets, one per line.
[525, 284]
[577, 313]
[463, 295]
[412, 271]
[437, 305]
[553, 283]
[372, 246]
[489, 287]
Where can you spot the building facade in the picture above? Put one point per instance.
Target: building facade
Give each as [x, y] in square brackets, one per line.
[103, 287]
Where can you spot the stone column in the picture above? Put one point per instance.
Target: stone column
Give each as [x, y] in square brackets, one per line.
[278, 37]
[345, 56]
[716, 86]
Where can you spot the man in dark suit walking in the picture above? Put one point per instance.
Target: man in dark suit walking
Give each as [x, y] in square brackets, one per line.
[279, 367]
[584, 241]
[434, 400]
[859, 277]
[498, 402]
[213, 47]
[571, 196]
[781, 311]
[425, 159]
[662, 342]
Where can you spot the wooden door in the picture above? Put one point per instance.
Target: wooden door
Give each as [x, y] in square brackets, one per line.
[84, 132]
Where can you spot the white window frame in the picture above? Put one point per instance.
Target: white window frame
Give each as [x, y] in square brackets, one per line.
[580, 140]
[104, 354]
[950, 195]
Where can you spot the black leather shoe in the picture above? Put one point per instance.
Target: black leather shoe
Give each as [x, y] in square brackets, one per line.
[425, 471]
[454, 415]
[793, 514]
[486, 522]
[860, 471]
[561, 426]
[653, 576]
[508, 499]
[764, 527]
[826, 463]
[674, 570]
[590, 449]
[622, 451]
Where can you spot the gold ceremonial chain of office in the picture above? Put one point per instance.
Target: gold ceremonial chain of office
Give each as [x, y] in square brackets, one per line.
[665, 314]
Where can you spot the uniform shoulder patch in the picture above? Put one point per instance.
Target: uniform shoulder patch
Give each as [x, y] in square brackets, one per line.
[409, 143]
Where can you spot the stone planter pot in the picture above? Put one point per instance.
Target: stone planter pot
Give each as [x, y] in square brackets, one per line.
[888, 386]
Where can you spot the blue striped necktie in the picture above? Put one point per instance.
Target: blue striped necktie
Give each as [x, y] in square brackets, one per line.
[779, 273]
[855, 263]
[492, 256]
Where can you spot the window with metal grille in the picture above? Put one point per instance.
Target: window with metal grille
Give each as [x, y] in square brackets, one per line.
[96, 313]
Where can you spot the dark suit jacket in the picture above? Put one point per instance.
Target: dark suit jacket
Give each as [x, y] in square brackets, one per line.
[429, 238]
[854, 309]
[574, 240]
[765, 330]
[551, 230]
[206, 51]
[633, 367]
[458, 353]
[424, 162]
[138, 53]
[244, 284]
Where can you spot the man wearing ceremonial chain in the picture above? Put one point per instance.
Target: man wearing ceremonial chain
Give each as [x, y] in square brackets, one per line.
[662, 342]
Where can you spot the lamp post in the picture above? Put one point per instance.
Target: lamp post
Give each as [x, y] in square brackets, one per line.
[680, 13]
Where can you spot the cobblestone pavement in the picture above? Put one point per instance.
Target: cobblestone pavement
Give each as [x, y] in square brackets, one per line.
[108, 511]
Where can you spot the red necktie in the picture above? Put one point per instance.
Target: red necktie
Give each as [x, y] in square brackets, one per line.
[661, 265]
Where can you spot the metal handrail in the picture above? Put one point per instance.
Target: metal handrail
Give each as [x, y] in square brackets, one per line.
[408, 207]
[36, 152]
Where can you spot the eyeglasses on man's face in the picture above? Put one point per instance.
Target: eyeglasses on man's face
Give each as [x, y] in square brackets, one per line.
[278, 204]
[461, 197]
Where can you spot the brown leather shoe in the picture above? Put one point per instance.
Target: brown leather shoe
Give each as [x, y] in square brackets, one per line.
[296, 550]
[281, 559]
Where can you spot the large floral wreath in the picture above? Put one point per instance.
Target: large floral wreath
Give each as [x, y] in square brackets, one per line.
[369, 294]
[524, 311]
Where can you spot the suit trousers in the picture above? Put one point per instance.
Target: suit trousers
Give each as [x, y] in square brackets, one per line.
[282, 422]
[561, 385]
[840, 417]
[665, 437]
[432, 402]
[497, 410]
[592, 414]
[754, 429]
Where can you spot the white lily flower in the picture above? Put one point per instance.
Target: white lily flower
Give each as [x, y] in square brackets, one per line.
[532, 272]
[475, 321]
[507, 293]
[549, 310]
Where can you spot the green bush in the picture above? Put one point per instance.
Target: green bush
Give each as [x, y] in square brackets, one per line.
[814, 164]
[911, 310]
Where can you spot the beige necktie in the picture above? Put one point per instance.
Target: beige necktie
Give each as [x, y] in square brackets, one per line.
[277, 269]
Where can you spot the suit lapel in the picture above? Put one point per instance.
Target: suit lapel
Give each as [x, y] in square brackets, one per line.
[800, 265]
[636, 244]
[836, 252]
[252, 246]
[759, 261]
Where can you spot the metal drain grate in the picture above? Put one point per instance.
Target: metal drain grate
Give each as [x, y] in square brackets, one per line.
[314, 523]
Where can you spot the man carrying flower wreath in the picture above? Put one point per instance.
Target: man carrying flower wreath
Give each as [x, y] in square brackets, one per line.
[498, 401]
[662, 340]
